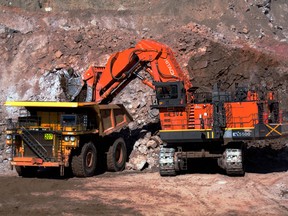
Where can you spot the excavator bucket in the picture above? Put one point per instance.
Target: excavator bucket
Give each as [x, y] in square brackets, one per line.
[74, 87]
[80, 87]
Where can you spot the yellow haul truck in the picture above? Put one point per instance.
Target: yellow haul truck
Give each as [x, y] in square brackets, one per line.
[66, 134]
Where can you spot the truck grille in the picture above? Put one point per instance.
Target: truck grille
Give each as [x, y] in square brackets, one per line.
[40, 138]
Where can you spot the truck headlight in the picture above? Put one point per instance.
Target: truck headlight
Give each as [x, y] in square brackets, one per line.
[8, 136]
[72, 138]
[66, 138]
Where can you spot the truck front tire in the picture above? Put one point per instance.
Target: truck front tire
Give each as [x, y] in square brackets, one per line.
[117, 156]
[83, 163]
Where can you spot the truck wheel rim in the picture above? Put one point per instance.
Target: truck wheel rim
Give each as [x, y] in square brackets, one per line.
[118, 154]
[89, 159]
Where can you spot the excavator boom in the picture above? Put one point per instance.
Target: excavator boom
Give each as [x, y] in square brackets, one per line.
[153, 57]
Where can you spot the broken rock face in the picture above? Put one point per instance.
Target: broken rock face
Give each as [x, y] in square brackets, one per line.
[145, 153]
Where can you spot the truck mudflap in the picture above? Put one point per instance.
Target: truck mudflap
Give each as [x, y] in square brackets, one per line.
[32, 161]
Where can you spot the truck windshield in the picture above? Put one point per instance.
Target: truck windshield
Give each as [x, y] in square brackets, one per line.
[68, 120]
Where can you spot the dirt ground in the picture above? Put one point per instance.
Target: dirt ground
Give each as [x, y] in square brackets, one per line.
[201, 191]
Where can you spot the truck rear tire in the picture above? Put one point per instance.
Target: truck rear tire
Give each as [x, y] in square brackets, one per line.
[83, 163]
[26, 171]
[117, 156]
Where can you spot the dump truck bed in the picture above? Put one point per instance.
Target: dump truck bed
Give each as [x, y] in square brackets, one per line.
[109, 118]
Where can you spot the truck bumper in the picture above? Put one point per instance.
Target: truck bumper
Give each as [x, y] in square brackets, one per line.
[31, 161]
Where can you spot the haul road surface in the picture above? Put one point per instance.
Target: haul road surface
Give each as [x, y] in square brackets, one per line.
[262, 191]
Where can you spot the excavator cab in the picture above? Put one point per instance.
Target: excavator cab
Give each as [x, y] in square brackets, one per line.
[169, 94]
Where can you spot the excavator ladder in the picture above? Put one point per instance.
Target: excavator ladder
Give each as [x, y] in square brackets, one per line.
[229, 116]
[191, 117]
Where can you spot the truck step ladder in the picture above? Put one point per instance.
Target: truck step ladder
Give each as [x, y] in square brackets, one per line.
[35, 146]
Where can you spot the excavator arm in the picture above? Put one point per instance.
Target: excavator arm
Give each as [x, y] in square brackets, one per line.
[156, 59]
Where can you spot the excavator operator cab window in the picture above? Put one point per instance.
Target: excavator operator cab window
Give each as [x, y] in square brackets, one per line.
[167, 92]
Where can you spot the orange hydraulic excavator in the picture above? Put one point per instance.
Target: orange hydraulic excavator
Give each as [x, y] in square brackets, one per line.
[105, 82]
[194, 124]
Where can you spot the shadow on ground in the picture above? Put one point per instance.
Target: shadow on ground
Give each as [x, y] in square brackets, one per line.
[266, 160]
[257, 160]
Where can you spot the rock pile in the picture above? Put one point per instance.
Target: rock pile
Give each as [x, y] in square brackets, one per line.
[137, 99]
[145, 153]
